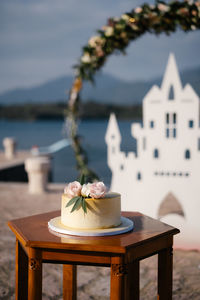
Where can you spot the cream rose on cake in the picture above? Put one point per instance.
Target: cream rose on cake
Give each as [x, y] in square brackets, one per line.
[85, 191]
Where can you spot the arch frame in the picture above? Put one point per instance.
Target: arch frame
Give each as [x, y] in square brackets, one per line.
[115, 36]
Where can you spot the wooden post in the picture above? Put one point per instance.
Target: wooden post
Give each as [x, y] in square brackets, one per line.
[21, 265]
[118, 273]
[165, 266]
[34, 275]
[69, 282]
[132, 282]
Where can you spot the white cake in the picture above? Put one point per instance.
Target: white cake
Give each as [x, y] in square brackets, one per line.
[101, 213]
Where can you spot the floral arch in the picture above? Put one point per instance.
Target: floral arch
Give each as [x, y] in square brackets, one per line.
[115, 36]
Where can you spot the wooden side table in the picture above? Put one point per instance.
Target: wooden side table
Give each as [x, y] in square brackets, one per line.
[36, 245]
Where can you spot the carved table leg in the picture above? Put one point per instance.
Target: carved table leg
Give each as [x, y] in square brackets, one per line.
[21, 292]
[34, 275]
[69, 282]
[132, 282]
[165, 266]
[118, 273]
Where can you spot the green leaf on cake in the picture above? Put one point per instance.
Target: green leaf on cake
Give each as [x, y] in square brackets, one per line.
[83, 204]
[77, 203]
[74, 199]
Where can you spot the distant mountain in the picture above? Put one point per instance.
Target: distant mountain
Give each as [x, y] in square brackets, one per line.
[50, 91]
[107, 89]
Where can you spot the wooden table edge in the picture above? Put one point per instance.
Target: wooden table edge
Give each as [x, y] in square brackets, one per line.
[116, 250]
[18, 234]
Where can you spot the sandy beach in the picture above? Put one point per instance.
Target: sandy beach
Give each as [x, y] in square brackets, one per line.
[93, 282]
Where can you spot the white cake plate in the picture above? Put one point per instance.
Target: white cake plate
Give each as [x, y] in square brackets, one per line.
[56, 225]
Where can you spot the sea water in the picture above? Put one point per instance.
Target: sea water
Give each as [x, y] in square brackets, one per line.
[92, 134]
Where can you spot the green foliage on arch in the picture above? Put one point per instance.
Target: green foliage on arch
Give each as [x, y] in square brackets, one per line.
[116, 36]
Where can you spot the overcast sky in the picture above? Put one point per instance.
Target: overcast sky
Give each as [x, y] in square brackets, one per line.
[42, 39]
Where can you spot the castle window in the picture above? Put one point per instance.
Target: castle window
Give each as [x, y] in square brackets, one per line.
[156, 153]
[171, 93]
[187, 154]
[174, 132]
[167, 118]
[112, 136]
[174, 118]
[113, 150]
[151, 124]
[144, 143]
[122, 167]
[170, 125]
[139, 176]
[190, 123]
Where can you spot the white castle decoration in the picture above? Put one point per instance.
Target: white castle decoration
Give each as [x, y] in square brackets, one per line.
[162, 179]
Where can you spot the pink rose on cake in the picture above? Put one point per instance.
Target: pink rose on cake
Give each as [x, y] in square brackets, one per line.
[97, 190]
[73, 189]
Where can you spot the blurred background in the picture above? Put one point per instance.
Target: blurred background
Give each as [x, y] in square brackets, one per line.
[42, 40]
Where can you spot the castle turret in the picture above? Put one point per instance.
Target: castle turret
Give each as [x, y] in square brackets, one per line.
[113, 140]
